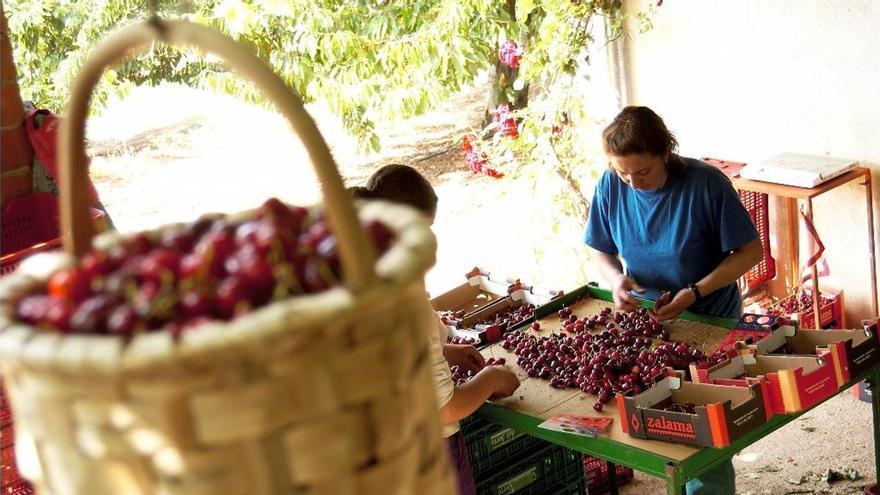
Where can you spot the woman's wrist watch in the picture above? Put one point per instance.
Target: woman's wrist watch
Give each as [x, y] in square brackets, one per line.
[696, 290]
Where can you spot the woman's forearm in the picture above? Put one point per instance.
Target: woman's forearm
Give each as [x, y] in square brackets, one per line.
[609, 265]
[732, 268]
[467, 398]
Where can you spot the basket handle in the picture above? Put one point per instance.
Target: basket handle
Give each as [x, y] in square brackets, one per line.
[355, 253]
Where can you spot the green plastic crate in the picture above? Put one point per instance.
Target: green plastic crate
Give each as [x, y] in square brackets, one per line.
[490, 444]
[549, 469]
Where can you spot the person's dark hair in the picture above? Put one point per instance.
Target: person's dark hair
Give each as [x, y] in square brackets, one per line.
[638, 130]
[400, 184]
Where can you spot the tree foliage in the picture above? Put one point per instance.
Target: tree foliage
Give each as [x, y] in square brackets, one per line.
[366, 59]
[369, 61]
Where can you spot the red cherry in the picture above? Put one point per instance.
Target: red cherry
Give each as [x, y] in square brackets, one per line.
[178, 239]
[232, 297]
[536, 326]
[124, 321]
[58, 315]
[91, 315]
[71, 285]
[380, 235]
[193, 305]
[33, 309]
[136, 244]
[317, 275]
[97, 264]
[160, 264]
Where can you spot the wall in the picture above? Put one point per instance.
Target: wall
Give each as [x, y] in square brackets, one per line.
[16, 154]
[748, 79]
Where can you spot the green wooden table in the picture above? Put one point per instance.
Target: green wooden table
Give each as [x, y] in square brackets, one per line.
[676, 470]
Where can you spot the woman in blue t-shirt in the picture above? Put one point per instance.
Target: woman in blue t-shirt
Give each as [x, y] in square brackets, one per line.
[678, 226]
[676, 223]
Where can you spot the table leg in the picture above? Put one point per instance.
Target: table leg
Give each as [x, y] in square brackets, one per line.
[674, 481]
[612, 477]
[874, 384]
[794, 222]
[869, 197]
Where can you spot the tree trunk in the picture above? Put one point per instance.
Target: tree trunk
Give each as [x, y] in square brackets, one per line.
[501, 88]
[502, 84]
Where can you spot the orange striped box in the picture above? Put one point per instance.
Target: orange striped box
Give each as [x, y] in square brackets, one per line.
[722, 413]
[789, 383]
[852, 351]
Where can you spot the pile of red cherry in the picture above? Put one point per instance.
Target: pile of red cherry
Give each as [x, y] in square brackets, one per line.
[687, 408]
[511, 316]
[797, 303]
[460, 376]
[461, 340]
[622, 358]
[212, 268]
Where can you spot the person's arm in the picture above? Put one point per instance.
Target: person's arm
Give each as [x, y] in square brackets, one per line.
[738, 262]
[612, 271]
[732, 267]
[491, 381]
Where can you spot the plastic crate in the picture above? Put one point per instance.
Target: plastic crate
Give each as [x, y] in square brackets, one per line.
[490, 444]
[20, 487]
[756, 205]
[8, 472]
[830, 312]
[596, 475]
[546, 470]
[30, 225]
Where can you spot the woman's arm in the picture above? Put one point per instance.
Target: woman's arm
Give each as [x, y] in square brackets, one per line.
[727, 272]
[491, 381]
[612, 271]
[732, 267]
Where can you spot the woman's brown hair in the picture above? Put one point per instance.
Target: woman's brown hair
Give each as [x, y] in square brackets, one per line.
[399, 184]
[638, 130]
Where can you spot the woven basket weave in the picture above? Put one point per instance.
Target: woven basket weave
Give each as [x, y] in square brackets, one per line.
[325, 393]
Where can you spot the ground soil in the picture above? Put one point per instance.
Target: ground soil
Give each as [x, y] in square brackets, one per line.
[171, 153]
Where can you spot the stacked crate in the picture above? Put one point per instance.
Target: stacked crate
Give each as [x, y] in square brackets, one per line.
[505, 461]
[11, 483]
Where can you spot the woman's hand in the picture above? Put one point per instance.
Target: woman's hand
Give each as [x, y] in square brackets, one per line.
[623, 300]
[464, 356]
[505, 381]
[665, 309]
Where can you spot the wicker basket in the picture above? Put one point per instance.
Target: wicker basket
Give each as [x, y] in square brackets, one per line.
[325, 393]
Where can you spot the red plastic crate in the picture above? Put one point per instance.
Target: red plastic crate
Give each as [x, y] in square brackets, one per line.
[30, 225]
[19, 487]
[596, 474]
[830, 312]
[757, 206]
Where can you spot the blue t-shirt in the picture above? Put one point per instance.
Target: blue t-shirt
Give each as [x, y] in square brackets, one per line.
[675, 235]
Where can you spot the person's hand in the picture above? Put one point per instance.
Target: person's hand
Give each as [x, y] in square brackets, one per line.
[667, 309]
[623, 300]
[504, 380]
[464, 356]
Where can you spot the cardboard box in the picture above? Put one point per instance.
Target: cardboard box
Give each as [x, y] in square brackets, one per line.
[473, 325]
[723, 413]
[789, 383]
[478, 291]
[750, 328]
[853, 351]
